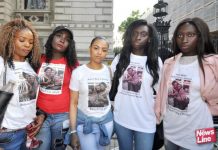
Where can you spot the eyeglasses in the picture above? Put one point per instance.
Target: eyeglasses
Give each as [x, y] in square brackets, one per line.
[188, 35]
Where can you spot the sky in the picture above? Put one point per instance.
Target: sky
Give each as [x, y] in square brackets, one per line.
[123, 9]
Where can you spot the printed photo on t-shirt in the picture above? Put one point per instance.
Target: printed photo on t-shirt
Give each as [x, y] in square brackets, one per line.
[132, 79]
[98, 95]
[51, 78]
[27, 86]
[178, 93]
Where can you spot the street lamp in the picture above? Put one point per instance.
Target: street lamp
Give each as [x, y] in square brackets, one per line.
[160, 11]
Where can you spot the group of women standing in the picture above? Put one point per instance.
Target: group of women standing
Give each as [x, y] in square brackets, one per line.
[77, 97]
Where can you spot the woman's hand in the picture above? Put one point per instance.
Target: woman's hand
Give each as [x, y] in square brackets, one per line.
[158, 116]
[75, 144]
[157, 111]
[34, 129]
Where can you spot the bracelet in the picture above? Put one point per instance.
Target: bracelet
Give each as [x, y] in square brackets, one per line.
[73, 131]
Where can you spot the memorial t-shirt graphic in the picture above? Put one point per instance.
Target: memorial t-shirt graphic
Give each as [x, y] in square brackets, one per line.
[27, 86]
[132, 79]
[178, 94]
[97, 94]
[51, 78]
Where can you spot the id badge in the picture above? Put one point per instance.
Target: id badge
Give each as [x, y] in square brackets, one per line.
[206, 135]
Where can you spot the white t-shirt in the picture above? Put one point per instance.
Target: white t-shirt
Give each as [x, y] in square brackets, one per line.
[21, 109]
[186, 111]
[134, 101]
[93, 87]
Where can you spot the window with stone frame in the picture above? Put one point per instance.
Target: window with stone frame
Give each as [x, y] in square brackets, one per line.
[34, 4]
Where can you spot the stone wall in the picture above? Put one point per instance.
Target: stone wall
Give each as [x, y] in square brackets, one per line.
[6, 10]
[205, 9]
[86, 18]
[180, 9]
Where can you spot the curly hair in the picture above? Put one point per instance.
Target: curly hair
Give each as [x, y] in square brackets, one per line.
[204, 44]
[7, 44]
[69, 54]
[150, 50]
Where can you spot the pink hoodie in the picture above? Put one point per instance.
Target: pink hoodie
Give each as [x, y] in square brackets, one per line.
[209, 85]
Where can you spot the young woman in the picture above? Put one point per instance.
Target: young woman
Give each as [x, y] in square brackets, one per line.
[19, 51]
[54, 98]
[137, 66]
[188, 95]
[90, 112]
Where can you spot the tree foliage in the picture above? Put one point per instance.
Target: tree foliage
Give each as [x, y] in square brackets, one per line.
[135, 15]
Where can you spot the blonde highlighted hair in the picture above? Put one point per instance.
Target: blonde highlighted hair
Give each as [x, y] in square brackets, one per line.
[7, 44]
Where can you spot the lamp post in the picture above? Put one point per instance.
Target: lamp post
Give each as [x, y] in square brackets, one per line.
[160, 11]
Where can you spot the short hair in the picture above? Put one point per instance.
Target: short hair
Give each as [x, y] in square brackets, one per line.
[47, 69]
[104, 84]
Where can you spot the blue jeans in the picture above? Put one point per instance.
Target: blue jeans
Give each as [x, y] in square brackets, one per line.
[128, 139]
[53, 131]
[171, 146]
[91, 141]
[14, 140]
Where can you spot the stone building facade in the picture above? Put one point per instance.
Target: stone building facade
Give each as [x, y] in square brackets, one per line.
[180, 9]
[86, 18]
[205, 9]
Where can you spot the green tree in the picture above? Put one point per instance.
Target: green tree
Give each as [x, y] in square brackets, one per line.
[135, 15]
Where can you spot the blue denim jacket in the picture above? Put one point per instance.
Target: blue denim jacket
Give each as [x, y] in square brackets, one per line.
[87, 122]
